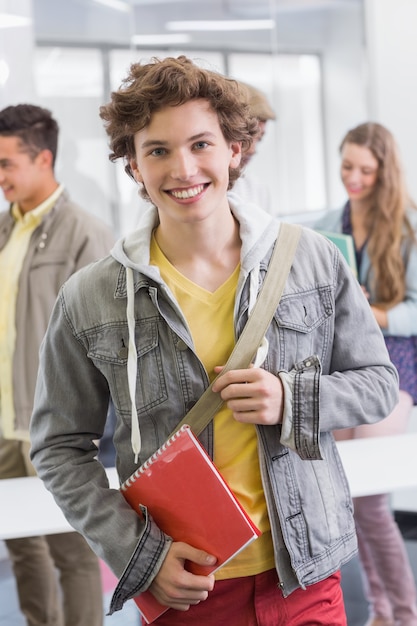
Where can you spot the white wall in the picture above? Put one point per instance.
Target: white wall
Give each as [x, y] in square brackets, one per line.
[344, 89]
[337, 35]
[16, 49]
[392, 64]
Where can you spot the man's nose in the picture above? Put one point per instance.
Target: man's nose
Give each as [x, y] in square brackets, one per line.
[184, 166]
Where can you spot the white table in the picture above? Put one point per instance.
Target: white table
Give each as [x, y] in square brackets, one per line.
[29, 510]
[377, 465]
[380, 464]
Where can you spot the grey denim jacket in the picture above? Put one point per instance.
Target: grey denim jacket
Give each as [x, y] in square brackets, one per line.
[323, 342]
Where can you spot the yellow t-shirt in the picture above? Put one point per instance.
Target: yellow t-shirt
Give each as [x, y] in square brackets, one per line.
[210, 319]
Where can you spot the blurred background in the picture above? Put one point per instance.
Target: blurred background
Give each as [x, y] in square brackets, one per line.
[325, 65]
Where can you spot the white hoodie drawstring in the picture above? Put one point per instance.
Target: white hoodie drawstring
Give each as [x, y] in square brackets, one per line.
[262, 351]
[132, 363]
[132, 359]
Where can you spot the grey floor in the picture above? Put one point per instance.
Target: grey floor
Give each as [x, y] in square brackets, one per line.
[356, 606]
[10, 614]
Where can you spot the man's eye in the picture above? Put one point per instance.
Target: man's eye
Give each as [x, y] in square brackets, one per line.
[158, 151]
[201, 144]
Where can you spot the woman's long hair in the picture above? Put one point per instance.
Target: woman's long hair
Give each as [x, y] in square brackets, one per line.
[389, 229]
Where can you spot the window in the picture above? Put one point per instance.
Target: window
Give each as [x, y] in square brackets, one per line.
[290, 158]
[69, 81]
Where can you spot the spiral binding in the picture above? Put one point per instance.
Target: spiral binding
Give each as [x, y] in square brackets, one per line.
[145, 466]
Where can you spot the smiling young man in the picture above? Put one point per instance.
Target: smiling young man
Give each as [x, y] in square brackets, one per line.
[152, 325]
[44, 238]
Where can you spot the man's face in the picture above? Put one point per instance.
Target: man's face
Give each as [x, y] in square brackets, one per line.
[20, 174]
[183, 160]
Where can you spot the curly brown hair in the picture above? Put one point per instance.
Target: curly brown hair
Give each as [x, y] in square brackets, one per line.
[389, 229]
[172, 82]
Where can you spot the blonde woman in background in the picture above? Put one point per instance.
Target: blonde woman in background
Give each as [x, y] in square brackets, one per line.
[382, 220]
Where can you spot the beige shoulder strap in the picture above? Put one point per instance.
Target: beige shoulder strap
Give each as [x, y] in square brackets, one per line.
[254, 331]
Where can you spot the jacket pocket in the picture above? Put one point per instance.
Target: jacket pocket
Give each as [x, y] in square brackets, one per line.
[108, 349]
[304, 323]
[305, 311]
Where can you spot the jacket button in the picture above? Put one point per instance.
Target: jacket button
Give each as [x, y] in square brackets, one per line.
[123, 353]
[181, 345]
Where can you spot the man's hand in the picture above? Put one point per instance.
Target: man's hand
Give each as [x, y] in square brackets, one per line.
[177, 588]
[253, 395]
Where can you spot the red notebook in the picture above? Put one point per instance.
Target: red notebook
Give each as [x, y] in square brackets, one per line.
[190, 502]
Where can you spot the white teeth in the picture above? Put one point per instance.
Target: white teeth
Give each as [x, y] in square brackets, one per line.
[188, 193]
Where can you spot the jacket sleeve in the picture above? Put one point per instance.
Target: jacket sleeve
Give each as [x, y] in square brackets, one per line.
[63, 452]
[353, 383]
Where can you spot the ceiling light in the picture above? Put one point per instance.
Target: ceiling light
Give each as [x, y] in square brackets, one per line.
[217, 25]
[118, 5]
[8, 20]
[139, 40]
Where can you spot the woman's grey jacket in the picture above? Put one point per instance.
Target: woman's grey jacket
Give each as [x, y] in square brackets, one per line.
[402, 317]
[323, 342]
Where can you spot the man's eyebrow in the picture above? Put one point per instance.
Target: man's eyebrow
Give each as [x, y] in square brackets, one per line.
[207, 134]
[153, 143]
[157, 143]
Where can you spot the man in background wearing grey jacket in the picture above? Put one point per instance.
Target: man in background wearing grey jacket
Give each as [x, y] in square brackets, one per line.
[44, 238]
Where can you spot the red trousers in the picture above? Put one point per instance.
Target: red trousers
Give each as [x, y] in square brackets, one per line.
[258, 601]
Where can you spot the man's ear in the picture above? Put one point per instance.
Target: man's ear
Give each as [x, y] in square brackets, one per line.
[45, 158]
[135, 171]
[236, 154]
